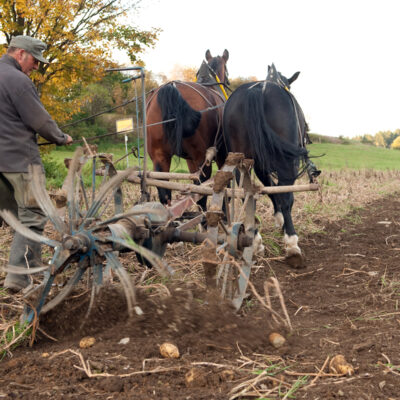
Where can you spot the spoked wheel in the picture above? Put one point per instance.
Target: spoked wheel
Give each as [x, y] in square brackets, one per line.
[235, 221]
[89, 236]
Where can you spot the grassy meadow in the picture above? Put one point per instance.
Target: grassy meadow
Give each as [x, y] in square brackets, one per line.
[354, 156]
[327, 156]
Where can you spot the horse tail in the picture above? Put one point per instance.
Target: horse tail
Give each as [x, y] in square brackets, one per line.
[268, 147]
[185, 120]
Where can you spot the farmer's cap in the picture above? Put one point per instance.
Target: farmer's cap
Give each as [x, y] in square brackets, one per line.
[31, 45]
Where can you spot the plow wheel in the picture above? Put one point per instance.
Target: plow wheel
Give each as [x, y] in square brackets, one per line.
[227, 266]
[88, 237]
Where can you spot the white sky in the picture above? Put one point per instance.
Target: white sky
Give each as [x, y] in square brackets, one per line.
[348, 52]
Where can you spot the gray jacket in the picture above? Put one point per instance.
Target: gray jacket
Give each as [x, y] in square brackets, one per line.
[22, 115]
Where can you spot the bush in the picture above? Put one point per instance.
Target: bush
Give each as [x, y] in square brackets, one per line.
[55, 171]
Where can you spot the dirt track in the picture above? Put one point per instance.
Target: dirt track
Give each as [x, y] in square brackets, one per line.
[344, 302]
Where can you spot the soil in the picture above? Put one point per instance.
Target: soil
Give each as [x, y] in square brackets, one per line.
[344, 302]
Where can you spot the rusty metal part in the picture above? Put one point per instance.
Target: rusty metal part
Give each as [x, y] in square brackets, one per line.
[231, 278]
[214, 217]
[78, 242]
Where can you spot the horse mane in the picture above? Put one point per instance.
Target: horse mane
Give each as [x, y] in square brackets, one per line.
[204, 75]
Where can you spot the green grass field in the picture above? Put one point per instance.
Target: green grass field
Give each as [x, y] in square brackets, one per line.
[118, 151]
[354, 156]
[328, 156]
[335, 156]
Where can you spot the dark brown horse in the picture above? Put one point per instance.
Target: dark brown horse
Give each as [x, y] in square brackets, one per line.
[185, 118]
[264, 121]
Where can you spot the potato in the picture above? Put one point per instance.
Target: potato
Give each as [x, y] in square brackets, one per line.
[169, 350]
[339, 365]
[87, 342]
[276, 340]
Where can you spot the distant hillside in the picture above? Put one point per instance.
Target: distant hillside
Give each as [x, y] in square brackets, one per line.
[352, 155]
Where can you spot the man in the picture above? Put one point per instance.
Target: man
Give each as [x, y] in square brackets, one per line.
[22, 115]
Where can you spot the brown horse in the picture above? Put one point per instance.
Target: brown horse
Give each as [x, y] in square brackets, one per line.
[185, 119]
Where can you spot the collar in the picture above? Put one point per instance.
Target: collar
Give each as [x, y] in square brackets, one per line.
[6, 59]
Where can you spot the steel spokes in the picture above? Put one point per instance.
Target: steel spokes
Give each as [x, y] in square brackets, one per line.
[39, 191]
[126, 283]
[11, 220]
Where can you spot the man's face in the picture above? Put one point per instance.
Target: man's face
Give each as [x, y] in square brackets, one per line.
[27, 62]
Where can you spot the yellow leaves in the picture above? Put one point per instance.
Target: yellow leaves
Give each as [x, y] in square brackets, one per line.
[396, 143]
[80, 35]
[187, 74]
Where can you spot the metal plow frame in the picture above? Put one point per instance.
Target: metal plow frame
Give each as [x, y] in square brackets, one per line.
[91, 243]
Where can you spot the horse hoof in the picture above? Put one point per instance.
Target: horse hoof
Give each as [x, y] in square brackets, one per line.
[296, 261]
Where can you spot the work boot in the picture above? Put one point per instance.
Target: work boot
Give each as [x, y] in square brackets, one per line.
[23, 251]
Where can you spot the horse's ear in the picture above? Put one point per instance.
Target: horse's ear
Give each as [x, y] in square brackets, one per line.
[225, 56]
[208, 55]
[294, 77]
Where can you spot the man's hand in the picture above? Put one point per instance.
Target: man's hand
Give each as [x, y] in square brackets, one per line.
[69, 139]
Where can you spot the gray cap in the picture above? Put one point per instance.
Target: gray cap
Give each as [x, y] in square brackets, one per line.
[31, 45]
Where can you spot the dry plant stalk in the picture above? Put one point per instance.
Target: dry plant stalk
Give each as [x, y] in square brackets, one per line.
[85, 367]
[274, 284]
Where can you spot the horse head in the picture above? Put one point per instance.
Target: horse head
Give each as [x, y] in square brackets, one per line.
[214, 67]
[275, 76]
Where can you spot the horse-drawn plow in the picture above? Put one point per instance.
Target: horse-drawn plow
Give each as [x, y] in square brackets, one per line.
[92, 228]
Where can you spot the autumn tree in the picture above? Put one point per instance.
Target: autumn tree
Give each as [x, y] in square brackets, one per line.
[81, 36]
[236, 82]
[396, 143]
[105, 101]
[181, 73]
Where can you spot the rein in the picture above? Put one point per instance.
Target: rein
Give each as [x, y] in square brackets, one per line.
[218, 80]
[211, 108]
[215, 75]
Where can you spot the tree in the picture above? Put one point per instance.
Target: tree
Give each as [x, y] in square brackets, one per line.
[108, 100]
[380, 139]
[396, 143]
[236, 82]
[367, 139]
[81, 36]
[181, 73]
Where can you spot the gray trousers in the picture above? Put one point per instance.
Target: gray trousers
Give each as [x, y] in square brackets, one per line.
[16, 195]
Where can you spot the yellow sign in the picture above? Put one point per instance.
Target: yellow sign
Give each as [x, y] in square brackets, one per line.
[125, 124]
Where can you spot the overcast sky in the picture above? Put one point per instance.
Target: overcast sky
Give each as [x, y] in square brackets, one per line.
[348, 52]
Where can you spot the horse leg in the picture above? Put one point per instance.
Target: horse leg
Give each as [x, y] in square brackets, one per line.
[294, 256]
[205, 174]
[283, 203]
[162, 164]
[265, 178]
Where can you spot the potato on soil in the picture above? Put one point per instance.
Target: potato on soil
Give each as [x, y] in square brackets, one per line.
[276, 340]
[339, 365]
[169, 350]
[87, 342]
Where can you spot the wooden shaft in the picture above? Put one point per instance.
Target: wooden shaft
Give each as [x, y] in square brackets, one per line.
[207, 190]
[171, 175]
[290, 188]
[201, 189]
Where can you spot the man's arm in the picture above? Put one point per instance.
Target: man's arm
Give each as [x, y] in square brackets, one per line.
[36, 117]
